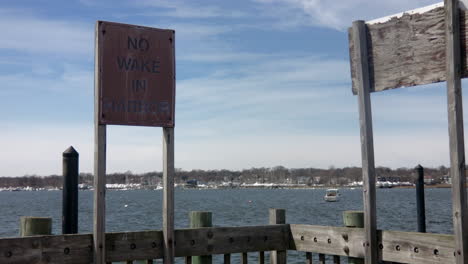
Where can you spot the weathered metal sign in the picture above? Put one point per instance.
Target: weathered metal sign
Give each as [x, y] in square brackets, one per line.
[136, 77]
[408, 49]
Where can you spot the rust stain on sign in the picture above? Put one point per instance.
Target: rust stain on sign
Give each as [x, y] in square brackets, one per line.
[136, 78]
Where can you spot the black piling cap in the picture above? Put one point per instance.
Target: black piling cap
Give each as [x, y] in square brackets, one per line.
[419, 167]
[70, 153]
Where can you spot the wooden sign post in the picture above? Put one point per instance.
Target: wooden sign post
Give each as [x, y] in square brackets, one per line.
[417, 47]
[134, 85]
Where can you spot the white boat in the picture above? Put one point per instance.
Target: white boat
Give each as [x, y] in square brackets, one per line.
[332, 195]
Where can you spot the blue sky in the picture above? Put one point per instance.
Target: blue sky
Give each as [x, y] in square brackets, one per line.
[260, 83]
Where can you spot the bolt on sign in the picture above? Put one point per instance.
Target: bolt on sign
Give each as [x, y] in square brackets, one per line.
[136, 77]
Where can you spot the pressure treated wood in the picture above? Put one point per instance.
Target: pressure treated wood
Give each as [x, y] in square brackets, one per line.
[168, 194]
[456, 136]
[363, 84]
[99, 219]
[201, 219]
[408, 51]
[33, 226]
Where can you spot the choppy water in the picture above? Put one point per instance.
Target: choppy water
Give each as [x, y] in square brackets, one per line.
[234, 207]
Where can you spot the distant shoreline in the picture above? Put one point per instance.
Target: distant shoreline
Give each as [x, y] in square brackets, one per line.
[219, 187]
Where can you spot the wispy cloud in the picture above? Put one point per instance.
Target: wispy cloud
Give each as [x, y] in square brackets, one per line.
[332, 14]
[186, 9]
[43, 35]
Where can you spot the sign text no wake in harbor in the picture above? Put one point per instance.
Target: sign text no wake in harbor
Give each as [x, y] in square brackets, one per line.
[136, 75]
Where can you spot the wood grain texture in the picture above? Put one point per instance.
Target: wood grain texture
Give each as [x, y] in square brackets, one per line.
[99, 209]
[367, 140]
[223, 240]
[75, 249]
[408, 51]
[402, 247]
[277, 216]
[168, 194]
[456, 136]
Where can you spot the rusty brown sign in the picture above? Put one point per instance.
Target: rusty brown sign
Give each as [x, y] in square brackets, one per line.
[136, 77]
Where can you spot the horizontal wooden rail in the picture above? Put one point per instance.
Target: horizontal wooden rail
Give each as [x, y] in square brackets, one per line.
[403, 247]
[144, 245]
[396, 246]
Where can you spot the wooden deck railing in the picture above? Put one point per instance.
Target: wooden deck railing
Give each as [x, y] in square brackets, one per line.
[403, 247]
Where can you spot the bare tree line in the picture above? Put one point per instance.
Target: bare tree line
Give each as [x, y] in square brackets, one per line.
[278, 174]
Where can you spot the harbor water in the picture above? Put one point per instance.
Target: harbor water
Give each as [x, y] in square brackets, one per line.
[135, 210]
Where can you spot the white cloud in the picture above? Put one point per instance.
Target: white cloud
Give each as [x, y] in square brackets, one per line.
[72, 78]
[186, 9]
[36, 35]
[333, 14]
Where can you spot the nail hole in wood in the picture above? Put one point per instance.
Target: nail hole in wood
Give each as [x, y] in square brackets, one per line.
[192, 242]
[66, 251]
[8, 254]
[397, 248]
[315, 239]
[380, 246]
[329, 241]
[436, 252]
[132, 246]
[302, 238]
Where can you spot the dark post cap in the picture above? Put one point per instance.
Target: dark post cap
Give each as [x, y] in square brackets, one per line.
[70, 152]
[419, 167]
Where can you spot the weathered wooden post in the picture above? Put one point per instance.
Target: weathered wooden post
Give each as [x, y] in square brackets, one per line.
[201, 219]
[70, 191]
[354, 219]
[35, 226]
[456, 134]
[421, 208]
[277, 216]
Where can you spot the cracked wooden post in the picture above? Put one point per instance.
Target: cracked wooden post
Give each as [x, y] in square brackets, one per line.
[456, 136]
[363, 80]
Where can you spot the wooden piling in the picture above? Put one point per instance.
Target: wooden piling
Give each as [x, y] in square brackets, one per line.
[201, 219]
[420, 205]
[70, 191]
[277, 216]
[35, 226]
[354, 219]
